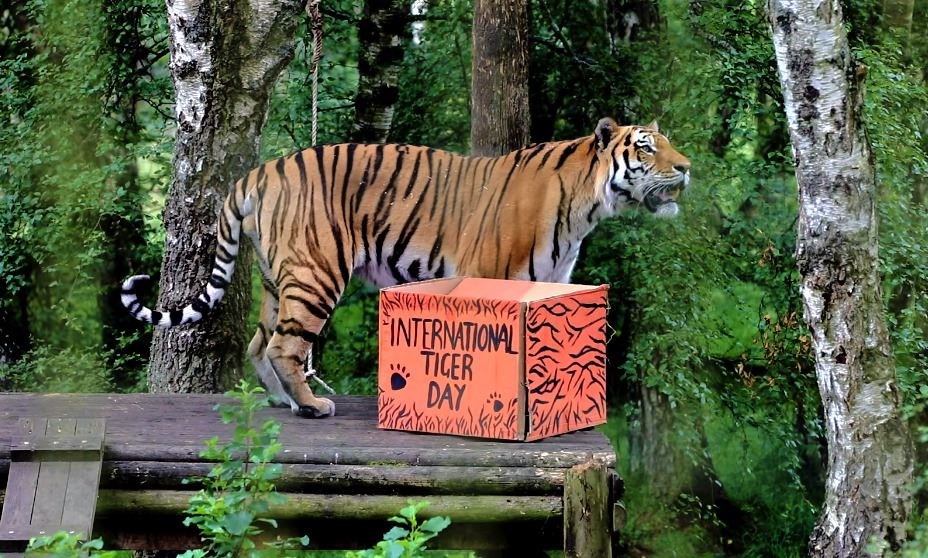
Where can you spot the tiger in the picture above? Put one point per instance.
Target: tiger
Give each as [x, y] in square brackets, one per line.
[394, 213]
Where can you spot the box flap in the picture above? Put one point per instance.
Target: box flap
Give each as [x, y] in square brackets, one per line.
[431, 286]
[520, 291]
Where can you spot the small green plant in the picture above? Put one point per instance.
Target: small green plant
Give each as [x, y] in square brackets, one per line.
[69, 545]
[232, 507]
[406, 540]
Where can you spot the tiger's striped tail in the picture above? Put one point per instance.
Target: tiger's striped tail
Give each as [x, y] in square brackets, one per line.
[234, 210]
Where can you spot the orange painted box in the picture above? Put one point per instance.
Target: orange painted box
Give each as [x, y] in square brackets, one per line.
[511, 360]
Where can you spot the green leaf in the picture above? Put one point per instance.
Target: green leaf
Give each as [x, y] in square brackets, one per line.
[237, 523]
[395, 533]
[436, 524]
[393, 550]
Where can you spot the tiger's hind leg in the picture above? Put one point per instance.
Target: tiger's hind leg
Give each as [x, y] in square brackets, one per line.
[257, 351]
[302, 314]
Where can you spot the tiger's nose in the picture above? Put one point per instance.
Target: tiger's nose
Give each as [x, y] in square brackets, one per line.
[682, 167]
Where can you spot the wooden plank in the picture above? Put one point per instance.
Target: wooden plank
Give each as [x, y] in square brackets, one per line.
[174, 427]
[21, 485]
[80, 499]
[20, 495]
[56, 443]
[50, 493]
[63, 494]
[368, 479]
[26, 532]
[61, 427]
[587, 513]
[466, 509]
[326, 432]
[53, 478]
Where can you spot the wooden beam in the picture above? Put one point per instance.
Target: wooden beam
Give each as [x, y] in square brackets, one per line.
[365, 479]
[587, 513]
[465, 509]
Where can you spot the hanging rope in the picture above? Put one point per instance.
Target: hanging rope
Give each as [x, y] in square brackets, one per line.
[315, 17]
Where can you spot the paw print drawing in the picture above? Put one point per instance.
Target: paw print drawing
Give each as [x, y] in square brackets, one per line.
[494, 399]
[398, 377]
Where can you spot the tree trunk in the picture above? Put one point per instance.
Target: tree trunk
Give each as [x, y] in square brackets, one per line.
[870, 454]
[225, 58]
[655, 446]
[627, 19]
[897, 15]
[382, 36]
[500, 119]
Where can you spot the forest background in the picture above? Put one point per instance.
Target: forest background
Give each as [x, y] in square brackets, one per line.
[715, 410]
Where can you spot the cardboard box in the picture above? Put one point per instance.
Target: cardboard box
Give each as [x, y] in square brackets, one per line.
[513, 360]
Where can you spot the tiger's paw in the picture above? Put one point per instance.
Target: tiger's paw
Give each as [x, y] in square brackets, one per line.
[323, 408]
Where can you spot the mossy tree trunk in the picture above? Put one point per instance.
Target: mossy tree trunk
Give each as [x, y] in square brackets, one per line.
[870, 453]
[225, 58]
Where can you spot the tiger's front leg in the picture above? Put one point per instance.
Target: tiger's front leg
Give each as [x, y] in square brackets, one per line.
[300, 319]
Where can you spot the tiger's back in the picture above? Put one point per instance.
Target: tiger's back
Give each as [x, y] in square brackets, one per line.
[399, 213]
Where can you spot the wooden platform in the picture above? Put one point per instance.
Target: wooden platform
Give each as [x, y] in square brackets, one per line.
[342, 475]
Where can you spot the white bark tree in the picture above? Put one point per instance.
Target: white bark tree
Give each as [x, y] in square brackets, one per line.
[382, 34]
[225, 58]
[870, 454]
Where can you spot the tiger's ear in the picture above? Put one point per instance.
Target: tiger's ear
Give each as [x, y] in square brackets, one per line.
[653, 125]
[605, 130]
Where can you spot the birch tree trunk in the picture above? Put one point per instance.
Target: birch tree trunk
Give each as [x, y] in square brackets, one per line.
[870, 454]
[382, 35]
[225, 58]
[500, 119]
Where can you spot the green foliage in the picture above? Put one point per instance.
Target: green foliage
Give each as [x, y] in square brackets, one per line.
[408, 538]
[434, 104]
[233, 506]
[289, 125]
[66, 545]
[67, 370]
[64, 153]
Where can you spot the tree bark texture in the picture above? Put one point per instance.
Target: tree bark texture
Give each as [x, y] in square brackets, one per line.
[870, 454]
[225, 58]
[500, 120]
[382, 35]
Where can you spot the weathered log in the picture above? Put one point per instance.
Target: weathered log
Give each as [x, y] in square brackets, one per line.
[362, 478]
[587, 513]
[464, 509]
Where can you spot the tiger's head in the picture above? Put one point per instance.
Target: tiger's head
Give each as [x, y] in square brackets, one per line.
[643, 168]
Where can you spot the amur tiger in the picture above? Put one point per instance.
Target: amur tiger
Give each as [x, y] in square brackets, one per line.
[399, 213]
